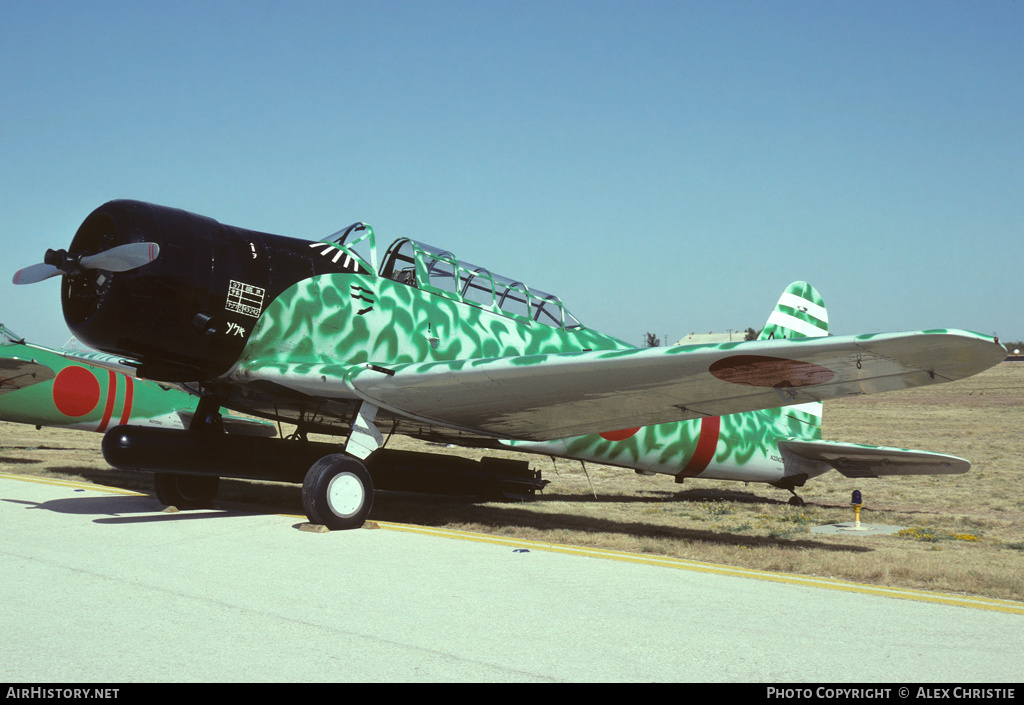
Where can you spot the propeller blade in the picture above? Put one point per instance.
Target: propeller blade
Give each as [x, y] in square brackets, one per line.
[117, 259]
[36, 273]
[123, 257]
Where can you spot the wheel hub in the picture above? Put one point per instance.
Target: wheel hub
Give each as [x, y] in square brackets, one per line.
[345, 494]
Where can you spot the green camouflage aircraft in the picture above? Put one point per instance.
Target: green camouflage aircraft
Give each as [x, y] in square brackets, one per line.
[427, 345]
[60, 388]
[89, 391]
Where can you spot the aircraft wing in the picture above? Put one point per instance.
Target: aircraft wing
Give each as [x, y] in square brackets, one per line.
[17, 373]
[853, 460]
[98, 359]
[544, 397]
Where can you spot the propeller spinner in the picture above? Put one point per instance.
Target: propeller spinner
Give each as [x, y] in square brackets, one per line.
[117, 259]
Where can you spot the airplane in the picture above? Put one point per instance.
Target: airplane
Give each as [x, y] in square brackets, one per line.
[46, 387]
[316, 334]
[89, 391]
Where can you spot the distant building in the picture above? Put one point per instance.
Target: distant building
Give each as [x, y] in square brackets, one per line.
[735, 336]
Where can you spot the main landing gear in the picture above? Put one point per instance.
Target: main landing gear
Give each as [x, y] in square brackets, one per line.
[337, 492]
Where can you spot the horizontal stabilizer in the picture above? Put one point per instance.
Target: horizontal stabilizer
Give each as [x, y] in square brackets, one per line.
[18, 374]
[853, 460]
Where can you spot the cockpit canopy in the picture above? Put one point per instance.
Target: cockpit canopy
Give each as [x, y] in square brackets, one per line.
[438, 271]
[8, 337]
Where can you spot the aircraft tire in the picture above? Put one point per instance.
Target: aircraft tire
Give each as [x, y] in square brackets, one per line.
[337, 492]
[186, 491]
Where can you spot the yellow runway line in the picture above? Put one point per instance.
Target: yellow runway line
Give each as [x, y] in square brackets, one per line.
[76, 484]
[986, 603]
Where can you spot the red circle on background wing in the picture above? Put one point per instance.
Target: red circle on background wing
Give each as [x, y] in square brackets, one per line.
[75, 391]
[619, 435]
[763, 371]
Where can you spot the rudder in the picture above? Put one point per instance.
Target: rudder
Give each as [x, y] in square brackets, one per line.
[800, 313]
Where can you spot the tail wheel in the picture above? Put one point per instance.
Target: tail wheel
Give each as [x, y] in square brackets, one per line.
[186, 491]
[337, 492]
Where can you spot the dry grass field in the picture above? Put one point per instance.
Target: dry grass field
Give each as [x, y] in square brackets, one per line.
[965, 532]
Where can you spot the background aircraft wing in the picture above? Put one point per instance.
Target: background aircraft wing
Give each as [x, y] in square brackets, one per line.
[17, 373]
[98, 359]
[854, 460]
[544, 397]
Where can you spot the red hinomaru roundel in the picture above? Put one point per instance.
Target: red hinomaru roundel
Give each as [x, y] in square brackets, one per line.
[75, 391]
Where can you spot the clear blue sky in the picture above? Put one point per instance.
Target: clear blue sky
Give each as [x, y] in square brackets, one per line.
[662, 166]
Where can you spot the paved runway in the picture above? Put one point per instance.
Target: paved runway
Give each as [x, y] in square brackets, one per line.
[100, 586]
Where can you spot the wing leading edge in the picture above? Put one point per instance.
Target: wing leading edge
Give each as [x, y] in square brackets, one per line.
[545, 397]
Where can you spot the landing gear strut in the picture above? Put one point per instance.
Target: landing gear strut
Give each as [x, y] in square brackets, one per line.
[192, 491]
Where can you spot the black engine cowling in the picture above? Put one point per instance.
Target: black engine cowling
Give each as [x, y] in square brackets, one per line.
[187, 315]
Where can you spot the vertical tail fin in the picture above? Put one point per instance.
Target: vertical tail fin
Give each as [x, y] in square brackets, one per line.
[800, 313]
